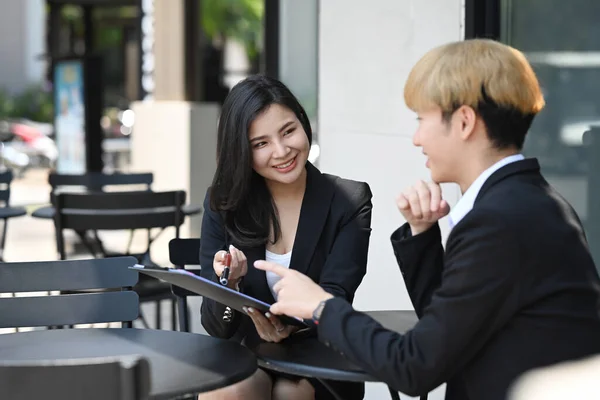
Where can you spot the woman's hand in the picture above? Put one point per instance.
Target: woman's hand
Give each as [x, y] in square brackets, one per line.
[237, 269]
[269, 327]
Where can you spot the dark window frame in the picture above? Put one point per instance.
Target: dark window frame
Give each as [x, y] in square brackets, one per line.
[483, 19]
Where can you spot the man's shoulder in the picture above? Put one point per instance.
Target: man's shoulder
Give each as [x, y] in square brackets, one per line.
[521, 206]
[518, 196]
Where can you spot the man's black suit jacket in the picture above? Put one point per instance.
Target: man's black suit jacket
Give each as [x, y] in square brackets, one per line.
[515, 289]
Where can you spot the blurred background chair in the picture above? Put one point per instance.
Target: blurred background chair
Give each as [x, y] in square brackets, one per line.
[92, 182]
[82, 279]
[114, 378]
[124, 211]
[98, 181]
[6, 211]
[184, 252]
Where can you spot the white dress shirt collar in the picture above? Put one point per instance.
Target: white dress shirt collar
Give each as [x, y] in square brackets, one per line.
[466, 202]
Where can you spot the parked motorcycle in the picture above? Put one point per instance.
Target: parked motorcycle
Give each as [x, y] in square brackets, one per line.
[27, 144]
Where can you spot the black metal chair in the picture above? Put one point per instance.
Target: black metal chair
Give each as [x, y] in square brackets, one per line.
[184, 252]
[116, 378]
[82, 279]
[98, 181]
[94, 182]
[124, 211]
[7, 212]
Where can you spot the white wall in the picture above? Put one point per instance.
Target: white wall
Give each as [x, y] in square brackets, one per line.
[366, 50]
[22, 30]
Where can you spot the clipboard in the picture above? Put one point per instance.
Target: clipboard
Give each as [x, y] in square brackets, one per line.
[213, 290]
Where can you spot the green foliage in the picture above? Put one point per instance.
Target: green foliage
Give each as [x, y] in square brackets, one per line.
[241, 20]
[108, 36]
[33, 103]
[6, 104]
[71, 12]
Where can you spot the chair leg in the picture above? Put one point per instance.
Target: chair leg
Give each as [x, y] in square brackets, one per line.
[143, 319]
[173, 314]
[128, 251]
[182, 314]
[3, 240]
[394, 394]
[335, 395]
[158, 315]
[14, 295]
[86, 243]
[99, 243]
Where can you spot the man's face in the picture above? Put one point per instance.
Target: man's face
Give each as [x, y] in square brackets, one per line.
[441, 143]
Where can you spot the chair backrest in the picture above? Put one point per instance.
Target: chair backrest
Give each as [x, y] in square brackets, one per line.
[119, 210]
[120, 304]
[98, 181]
[183, 252]
[115, 378]
[6, 178]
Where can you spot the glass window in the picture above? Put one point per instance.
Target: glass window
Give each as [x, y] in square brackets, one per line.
[298, 52]
[562, 41]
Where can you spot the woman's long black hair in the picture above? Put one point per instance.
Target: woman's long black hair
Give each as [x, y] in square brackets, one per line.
[238, 192]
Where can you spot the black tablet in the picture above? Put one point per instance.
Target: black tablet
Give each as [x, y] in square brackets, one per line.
[213, 290]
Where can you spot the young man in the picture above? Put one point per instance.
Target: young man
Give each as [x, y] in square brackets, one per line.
[516, 287]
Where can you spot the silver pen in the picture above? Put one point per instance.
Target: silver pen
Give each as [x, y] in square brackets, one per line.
[224, 278]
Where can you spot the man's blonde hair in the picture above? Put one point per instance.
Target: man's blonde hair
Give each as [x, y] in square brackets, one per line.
[471, 72]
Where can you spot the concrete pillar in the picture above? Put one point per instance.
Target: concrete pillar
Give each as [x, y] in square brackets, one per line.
[169, 46]
[177, 141]
[172, 137]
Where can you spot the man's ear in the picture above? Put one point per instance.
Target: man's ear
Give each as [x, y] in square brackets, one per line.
[465, 121]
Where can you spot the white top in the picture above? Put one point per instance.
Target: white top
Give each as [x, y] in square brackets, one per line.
[281, 259]
[466, 202]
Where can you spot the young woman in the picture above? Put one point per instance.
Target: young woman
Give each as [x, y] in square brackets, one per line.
[268, 202]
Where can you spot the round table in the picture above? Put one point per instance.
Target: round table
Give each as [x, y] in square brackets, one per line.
[397, 321]
[180, 363]
[308, 357]
[11, 212]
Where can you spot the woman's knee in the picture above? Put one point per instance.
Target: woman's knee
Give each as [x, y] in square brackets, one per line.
[232, 392]
[257, 387]
[285, 389]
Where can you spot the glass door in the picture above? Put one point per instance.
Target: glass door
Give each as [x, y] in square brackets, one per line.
[561, 39]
